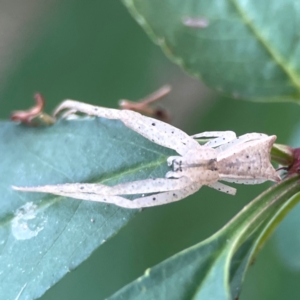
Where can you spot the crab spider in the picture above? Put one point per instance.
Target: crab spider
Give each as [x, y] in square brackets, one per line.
[225, 157]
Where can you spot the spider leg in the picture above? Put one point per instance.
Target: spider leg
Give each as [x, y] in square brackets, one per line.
[220, 137]
[165, 198]
[146, 186]
[242, 139]
[244, 180]
[223, 188]
[154, 130]
[70, 113]
[153, 185]
[153, 200]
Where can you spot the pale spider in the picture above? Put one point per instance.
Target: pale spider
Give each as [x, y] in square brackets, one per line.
[245, 159]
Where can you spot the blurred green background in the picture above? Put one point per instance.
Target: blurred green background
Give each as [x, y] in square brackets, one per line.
[95, 52]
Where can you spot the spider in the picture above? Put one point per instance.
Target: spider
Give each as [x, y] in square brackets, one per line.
[225, 157]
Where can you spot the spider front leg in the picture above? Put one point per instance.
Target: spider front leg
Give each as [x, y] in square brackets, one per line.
[169, 190]
[148, 201]
[154, 130]
[145, 186]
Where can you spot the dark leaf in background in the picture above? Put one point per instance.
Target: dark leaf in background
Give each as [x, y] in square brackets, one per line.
[245, 49]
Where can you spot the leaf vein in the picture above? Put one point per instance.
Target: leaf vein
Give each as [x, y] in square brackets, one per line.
[275, 55]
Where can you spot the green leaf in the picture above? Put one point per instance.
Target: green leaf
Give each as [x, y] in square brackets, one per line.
[286, 241]
[42, 237]
[246, 49]
[215, 268]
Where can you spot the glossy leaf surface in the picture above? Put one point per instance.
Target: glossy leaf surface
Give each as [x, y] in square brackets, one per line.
[42, 237]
